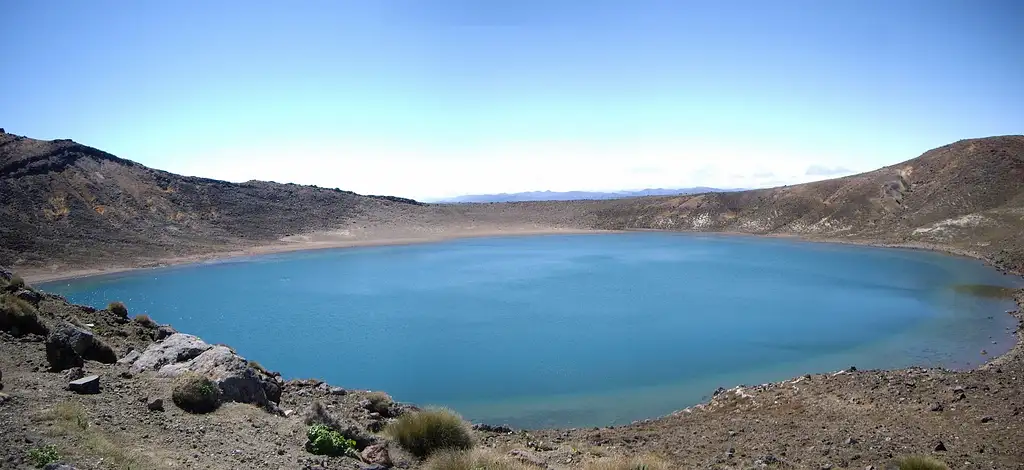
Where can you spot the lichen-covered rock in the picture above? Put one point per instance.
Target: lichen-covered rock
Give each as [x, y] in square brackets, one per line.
[376, 454]
[68, 346]
[237, 380]
[177, 348]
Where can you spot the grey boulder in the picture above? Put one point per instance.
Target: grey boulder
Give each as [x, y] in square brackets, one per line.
[237, 380]
[175, 349]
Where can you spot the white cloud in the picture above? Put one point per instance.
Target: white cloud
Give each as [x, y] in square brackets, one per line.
[430, 171]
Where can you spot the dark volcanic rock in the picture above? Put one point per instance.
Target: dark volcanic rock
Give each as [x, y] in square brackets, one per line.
[85, 385]
[29, 296]
[68, 346]
[155, 404]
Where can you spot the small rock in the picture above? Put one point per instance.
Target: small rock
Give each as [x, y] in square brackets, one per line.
[984, 352]
[155, 404]
[288, 413]
[940, 447]
[501, 429]
[376, 454]
[73, 374]
[960, 397]
[850, 441]
[4, 398]
[986, 419]
[85, 385]
[730, 452]
[527, 458]
[935, 407]
[163, 331]
[337, 391]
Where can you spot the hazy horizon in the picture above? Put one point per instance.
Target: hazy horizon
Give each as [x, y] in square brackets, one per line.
[436, 99]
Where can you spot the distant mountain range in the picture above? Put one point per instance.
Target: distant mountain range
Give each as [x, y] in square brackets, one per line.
[578, 195]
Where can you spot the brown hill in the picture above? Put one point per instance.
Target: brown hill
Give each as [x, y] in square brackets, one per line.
[64, 202]
[67, 205]
[966, 196]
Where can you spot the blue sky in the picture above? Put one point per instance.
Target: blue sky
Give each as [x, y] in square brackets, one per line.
[436, 98]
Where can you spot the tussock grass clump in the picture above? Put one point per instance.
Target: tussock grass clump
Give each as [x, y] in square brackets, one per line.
[380, 402]
[322, 440]
[259, 367]
[19, 316]
[15, 283]
[118, 309]
[632, 463]
[478, 459]
[920, 462]
[424, 432]
[195, 393]
[145, 321]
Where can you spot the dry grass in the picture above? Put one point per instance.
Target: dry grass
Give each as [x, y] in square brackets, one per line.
[630, 463]
[70, 421]
[145, 321]
[920, 462]
[16, 313]
[318, 414]
[425, 432]
[15, 283]
[478, 459]
[118, 309]
[380, 402]
[259, 367]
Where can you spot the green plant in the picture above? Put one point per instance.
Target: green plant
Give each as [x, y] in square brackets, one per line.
[42, 456]
[478, 459]
[145, 321]
[425, 432]
[323, 440]
[920, 462]
[118, 309]
[195, 393]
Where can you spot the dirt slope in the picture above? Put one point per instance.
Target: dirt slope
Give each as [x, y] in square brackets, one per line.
[67, 205]
[966, 196]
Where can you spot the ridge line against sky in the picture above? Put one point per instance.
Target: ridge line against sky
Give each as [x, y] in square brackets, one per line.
[438, 98]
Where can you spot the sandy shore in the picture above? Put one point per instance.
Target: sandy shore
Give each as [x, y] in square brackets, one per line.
[385, 237]
[317, 241]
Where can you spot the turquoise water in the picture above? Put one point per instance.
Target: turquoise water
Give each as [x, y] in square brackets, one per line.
[575, 330]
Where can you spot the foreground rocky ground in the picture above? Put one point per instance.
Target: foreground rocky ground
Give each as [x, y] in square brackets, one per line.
[847, 419]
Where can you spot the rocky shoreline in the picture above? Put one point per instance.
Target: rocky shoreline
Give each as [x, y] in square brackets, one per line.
[846, 419]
